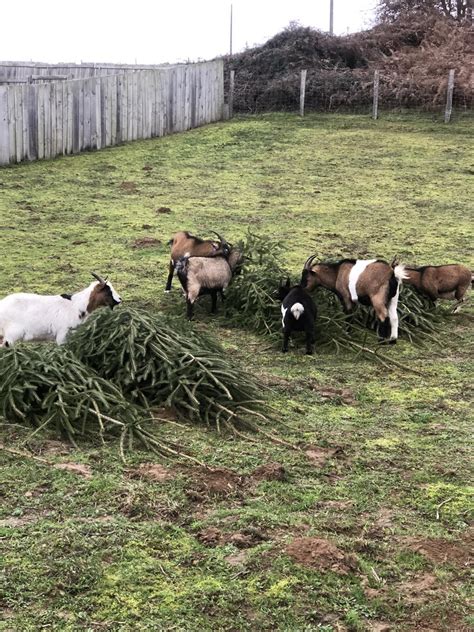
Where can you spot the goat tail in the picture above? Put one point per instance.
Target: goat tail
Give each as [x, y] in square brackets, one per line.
[297, 310]
[400, 273]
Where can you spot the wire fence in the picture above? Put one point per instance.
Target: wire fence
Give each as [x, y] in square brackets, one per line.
[358, 91]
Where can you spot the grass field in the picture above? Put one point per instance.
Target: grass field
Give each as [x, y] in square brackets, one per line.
[366, 527]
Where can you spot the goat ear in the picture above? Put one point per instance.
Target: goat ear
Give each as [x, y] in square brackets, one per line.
[287, 282]
[395, 261]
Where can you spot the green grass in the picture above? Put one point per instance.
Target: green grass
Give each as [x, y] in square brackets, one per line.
[390, 488]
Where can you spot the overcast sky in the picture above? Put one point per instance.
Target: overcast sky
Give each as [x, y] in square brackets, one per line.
[150, 31]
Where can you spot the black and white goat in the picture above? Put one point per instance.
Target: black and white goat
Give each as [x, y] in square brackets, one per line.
[183, 244]
[37, 317]
[207, 275]
[298, 314]
[450, 281]
[369, 282]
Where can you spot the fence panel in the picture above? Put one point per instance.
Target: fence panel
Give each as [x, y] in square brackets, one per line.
[62, 117]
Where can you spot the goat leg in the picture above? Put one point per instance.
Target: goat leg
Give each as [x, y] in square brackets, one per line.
[214, 301]
[286, 339]
[309, 341]
[189, 309]
[170, 277]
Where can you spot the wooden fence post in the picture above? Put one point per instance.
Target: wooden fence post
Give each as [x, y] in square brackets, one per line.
[302, 90]
[4, 131]
[231, 93]
[449, 97]
[375, 104]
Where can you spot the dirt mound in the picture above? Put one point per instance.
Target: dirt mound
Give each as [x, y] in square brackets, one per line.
[221, 482]
[319, 554]
[218, 482]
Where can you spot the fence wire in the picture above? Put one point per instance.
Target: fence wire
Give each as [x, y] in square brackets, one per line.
[344, 90]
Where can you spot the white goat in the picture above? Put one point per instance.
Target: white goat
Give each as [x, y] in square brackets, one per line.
[37, 317]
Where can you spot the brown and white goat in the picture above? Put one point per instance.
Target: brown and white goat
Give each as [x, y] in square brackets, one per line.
[38, 317]
[183, 244]
[207, 275]
[447, 282]
[369, 282]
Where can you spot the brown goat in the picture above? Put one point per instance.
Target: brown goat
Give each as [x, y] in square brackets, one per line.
[447, 282]
[370, 282]
[183, 244]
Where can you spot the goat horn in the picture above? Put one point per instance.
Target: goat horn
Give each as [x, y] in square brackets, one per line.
[308, 261]
[221, 239]
[99, 278]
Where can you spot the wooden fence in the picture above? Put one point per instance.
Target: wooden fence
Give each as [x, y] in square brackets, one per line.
[63, 117]
[27, 72]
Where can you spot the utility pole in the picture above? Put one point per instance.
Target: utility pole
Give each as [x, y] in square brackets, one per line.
[230, 47]
[331, 17]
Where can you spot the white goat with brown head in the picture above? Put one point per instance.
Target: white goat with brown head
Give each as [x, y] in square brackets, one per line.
[446, 282]
[183, 244]
[369, 282]
[38, 317]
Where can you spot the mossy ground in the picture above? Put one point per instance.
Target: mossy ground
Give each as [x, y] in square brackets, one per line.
[386, 478]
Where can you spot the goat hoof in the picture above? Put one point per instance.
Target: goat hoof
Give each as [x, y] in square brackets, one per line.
[393, 341]
[284, 350]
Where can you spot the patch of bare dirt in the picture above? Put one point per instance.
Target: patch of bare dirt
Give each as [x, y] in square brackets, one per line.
[53, 447]
[163, 210]
[441, 551]
[379, 626]
[93, 219]
[319, 554]
[244, 539]
[274, 380]
[237, 559]
[269, 472]
[152, 472]
[377, 526]
[75, 468]
[335, 395]
[147, 168]
[145, 242]
[338, 505]
[419, 590]
[17, 521]
[319, 456]
[128, 187]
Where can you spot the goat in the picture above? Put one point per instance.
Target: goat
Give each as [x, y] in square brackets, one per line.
[207, 275]
[184, 244]
[370, 282]
[447, 282]
[37, 317]
[298, 314]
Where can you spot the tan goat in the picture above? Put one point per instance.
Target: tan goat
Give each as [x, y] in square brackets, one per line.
[447, 281]
[183, 244]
